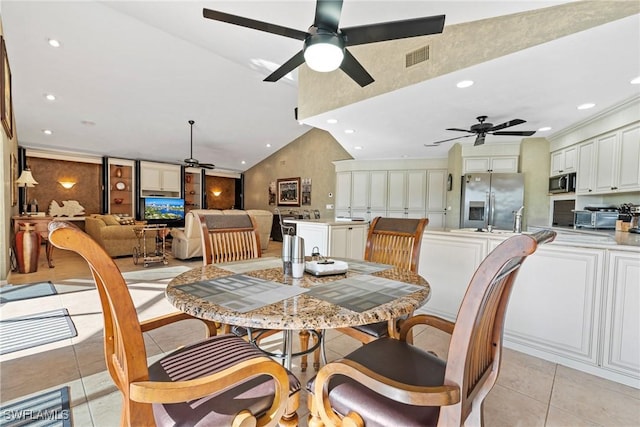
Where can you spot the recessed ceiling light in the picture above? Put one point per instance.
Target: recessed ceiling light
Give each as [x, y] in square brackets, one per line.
[544, 129]
[636, 81]
[243, 162]
[47, 131]
[268, 145]
[586, 106]
[464, 83]
[54, 43]
[332, 121]
[349, 131]
[50, 97]
[357, 147]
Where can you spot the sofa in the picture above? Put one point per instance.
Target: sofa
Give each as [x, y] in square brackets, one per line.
[116, 234]
[186, 243]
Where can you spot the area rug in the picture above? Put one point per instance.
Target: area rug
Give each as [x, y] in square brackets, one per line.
[29, 331]
[154, 273]
[20, 292]
[51, 409]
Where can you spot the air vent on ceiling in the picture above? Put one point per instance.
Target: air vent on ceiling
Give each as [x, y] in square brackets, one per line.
[417, 56]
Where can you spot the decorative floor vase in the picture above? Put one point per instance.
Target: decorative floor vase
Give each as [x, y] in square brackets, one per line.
[27, 248]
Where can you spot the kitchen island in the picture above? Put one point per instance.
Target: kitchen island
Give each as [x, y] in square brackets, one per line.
[341, 239]
[576, 301]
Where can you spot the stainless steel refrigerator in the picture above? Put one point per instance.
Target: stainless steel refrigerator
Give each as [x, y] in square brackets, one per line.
[491, 199]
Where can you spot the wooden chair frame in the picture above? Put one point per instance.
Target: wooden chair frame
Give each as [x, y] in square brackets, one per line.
[394, 241]
[126, 357]
[475, 348]
[229, 244]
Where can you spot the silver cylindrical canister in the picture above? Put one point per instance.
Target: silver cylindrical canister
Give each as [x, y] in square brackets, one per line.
[286, 253]
[297, 256]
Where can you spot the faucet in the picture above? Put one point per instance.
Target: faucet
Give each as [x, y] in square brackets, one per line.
[517, 221]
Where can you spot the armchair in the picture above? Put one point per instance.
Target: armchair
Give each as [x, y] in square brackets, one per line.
[370, 388]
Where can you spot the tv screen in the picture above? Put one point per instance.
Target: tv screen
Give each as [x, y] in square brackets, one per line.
[163, 208]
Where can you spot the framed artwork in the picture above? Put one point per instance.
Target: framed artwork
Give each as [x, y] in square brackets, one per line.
[289, 192]
[14, 178]
[6, 110]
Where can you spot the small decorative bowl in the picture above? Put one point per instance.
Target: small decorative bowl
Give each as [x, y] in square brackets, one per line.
[118, 201]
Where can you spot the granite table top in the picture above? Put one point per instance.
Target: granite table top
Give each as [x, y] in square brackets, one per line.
[310, 305]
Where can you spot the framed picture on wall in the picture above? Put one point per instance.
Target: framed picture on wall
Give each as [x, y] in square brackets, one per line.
[14, 178]
[6, 111]
[289, 192]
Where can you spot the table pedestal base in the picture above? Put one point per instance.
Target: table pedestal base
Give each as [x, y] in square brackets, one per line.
[287, 346]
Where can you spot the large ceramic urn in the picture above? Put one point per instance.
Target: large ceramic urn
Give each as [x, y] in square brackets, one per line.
[27, 247]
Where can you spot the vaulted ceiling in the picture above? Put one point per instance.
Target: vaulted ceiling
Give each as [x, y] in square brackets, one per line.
[130, 74]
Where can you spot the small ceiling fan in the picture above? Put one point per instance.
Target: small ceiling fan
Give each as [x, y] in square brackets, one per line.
[325, 45]
[484, 128]
[194, 163]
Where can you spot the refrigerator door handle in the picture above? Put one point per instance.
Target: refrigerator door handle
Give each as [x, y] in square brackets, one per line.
[487, 210]
[492, 208]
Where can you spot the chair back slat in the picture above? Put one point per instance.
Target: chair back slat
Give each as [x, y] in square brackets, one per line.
[476, 342]
[227, 238]
[395, 241]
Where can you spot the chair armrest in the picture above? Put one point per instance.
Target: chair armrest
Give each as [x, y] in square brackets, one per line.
[443, 395]
[167, 319]
[425, 319]
[183, 391]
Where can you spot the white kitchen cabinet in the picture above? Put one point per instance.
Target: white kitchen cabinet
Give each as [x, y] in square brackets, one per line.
[490, 164]
[436, 198]
[368, 194]
[333, 238]
[610, 163]
[585, 177]
[564, 161]
[160, 179]
[343, 194]
[555, 302]
[347, 241]
[407, 194]
[622, 315]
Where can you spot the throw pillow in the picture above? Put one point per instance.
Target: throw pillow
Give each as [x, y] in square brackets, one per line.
[110, 220]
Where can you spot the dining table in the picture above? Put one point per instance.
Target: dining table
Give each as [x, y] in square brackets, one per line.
[257, 294]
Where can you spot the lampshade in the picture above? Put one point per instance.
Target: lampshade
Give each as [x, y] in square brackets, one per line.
[323, 52]
[26, 179]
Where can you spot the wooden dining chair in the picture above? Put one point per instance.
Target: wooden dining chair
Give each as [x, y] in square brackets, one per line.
[393, 241]
[392, 382]
[222, 380]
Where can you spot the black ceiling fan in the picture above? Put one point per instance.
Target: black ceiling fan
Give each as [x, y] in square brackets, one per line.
[325, 32]
[194, 163]
[484, 128]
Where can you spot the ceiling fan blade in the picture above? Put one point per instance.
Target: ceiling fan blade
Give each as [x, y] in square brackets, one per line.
[460, 130]
[287, 67]
[516, 133]
[328, 14]
[256, 25]
[479, 139]
[355, 70]
[446, 140]
[207, 165]
[507, 124]
[393, 30]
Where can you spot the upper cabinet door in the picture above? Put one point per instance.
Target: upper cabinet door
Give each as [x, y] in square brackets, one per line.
[628, 174]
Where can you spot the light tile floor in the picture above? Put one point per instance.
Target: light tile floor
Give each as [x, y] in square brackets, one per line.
[530, 391]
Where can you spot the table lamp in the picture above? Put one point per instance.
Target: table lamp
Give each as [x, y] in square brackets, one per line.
[26, 180]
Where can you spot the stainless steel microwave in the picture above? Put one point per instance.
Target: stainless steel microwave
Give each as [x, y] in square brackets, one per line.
[565, 183]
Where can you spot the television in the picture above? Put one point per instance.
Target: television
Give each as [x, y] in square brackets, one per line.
[163, 208]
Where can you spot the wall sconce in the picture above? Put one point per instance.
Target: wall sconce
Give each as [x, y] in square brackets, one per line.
[67, 184]
[217, 193]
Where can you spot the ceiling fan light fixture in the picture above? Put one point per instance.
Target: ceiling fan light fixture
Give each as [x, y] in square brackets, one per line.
[323, 52]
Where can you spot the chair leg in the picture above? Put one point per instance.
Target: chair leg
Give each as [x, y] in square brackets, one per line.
[304, 345]
[313, 420]
[290, 416]
[320, 350]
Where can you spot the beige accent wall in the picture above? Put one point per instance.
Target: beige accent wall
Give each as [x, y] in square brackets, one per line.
[309, 156]
[459, 46]
[535, 164]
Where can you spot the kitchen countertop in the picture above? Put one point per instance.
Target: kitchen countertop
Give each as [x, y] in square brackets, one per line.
[604, 239]
[323, 221]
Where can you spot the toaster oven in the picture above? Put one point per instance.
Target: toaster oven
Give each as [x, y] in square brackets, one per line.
[595, 219]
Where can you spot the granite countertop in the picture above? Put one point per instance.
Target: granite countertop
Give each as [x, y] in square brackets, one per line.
[603, 239]
[298, 312]
[322, 221]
